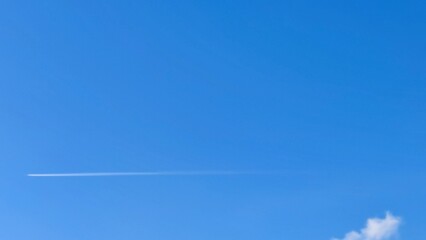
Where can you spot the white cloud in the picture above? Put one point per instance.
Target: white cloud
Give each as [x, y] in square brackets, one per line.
[376, 229]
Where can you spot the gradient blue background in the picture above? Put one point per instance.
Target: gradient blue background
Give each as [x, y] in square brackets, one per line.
[332, 92]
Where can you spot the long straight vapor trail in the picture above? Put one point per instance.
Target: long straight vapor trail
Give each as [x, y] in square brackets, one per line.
[163, 173]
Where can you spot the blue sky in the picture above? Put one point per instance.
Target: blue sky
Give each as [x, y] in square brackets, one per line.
[330, 93]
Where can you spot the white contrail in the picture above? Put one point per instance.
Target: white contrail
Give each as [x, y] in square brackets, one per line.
[163, 173]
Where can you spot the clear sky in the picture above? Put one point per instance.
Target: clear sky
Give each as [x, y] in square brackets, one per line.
[330, 93]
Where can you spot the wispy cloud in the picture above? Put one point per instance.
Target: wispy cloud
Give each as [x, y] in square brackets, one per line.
[161, 173]
[376, 229]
